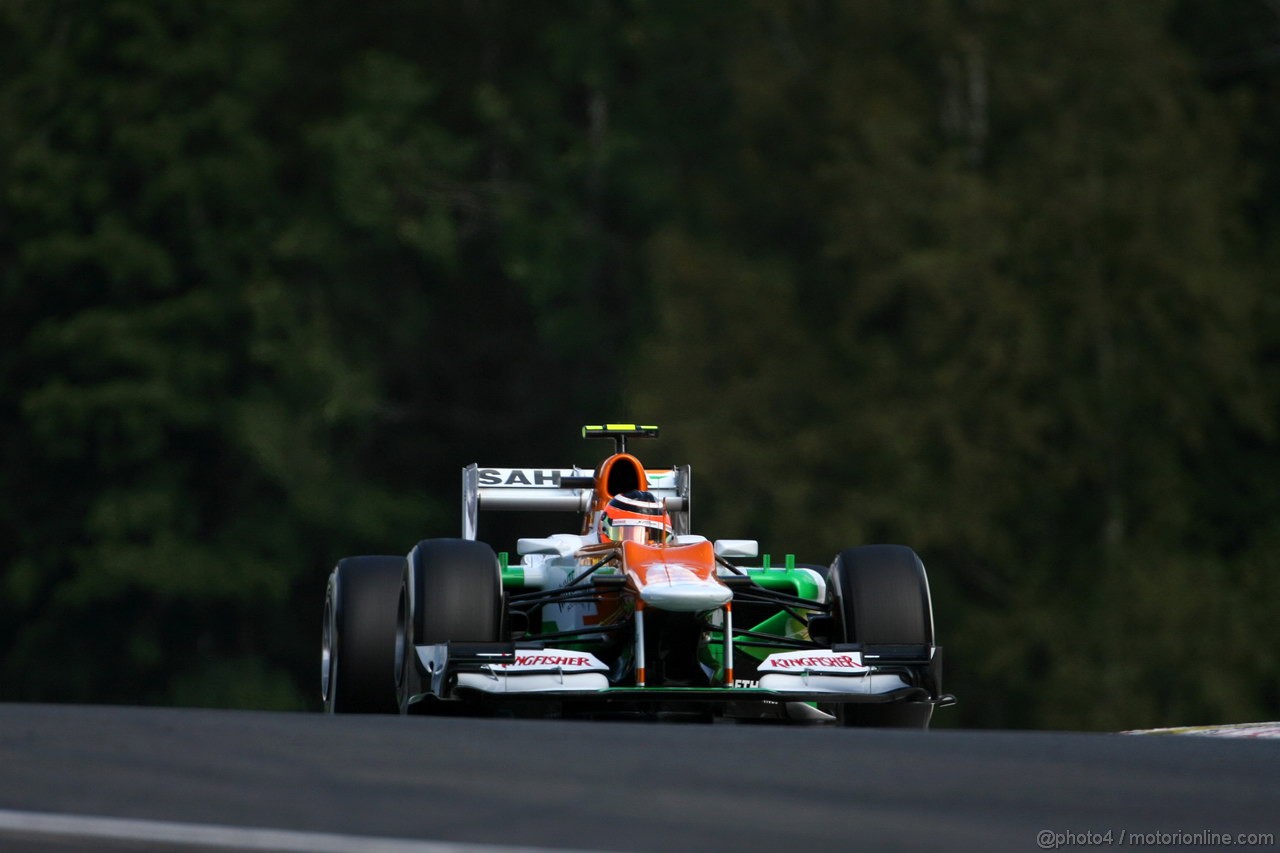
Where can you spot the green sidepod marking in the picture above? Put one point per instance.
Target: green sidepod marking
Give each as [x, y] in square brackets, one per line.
[512, 576]
[711, 651]
[798, 582]
[795, 581]
[781, 624]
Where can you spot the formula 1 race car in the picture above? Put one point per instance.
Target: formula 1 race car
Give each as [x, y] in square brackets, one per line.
[633, 616]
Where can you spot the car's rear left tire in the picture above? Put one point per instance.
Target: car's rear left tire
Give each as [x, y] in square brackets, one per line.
[359, 636]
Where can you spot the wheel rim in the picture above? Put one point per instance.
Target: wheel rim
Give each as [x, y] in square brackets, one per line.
[402, 645]
[326, 653]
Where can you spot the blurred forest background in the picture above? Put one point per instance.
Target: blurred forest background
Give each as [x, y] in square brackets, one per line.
[993, 278]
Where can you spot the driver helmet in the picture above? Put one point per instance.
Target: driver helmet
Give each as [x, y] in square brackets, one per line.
[635, 516]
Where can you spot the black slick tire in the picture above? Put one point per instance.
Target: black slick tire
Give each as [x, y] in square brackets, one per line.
[359, 636]
[880, 595]
[451, 592]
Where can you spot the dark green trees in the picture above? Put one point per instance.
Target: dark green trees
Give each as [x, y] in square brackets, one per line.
[989, 278]
[978, 280]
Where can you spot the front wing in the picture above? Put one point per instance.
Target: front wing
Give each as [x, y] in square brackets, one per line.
[497, 672]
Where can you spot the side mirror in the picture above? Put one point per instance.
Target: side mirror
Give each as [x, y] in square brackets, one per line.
[558, 545]
[687, 539]
[737, 548]
[536, 546]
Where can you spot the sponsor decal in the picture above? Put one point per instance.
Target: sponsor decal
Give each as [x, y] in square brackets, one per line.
[813, 661]
[549, 478]
[551, 659]
[530, 477]
[745, 682]
[817, 661]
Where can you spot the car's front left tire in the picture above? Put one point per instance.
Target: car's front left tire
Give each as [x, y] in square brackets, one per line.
[880, 596]
[451, 591]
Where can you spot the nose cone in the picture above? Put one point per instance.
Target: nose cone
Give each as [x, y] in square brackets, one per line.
[686, 596]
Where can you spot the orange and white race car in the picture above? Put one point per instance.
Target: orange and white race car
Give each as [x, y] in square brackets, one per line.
[633, 615]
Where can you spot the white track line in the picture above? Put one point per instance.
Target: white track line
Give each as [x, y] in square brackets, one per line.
[1242, 730]
[228, 837]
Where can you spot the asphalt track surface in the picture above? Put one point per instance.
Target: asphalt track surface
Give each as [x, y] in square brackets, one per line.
[615, 786]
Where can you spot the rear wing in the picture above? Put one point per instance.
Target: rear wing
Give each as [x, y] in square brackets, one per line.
[560, 490]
